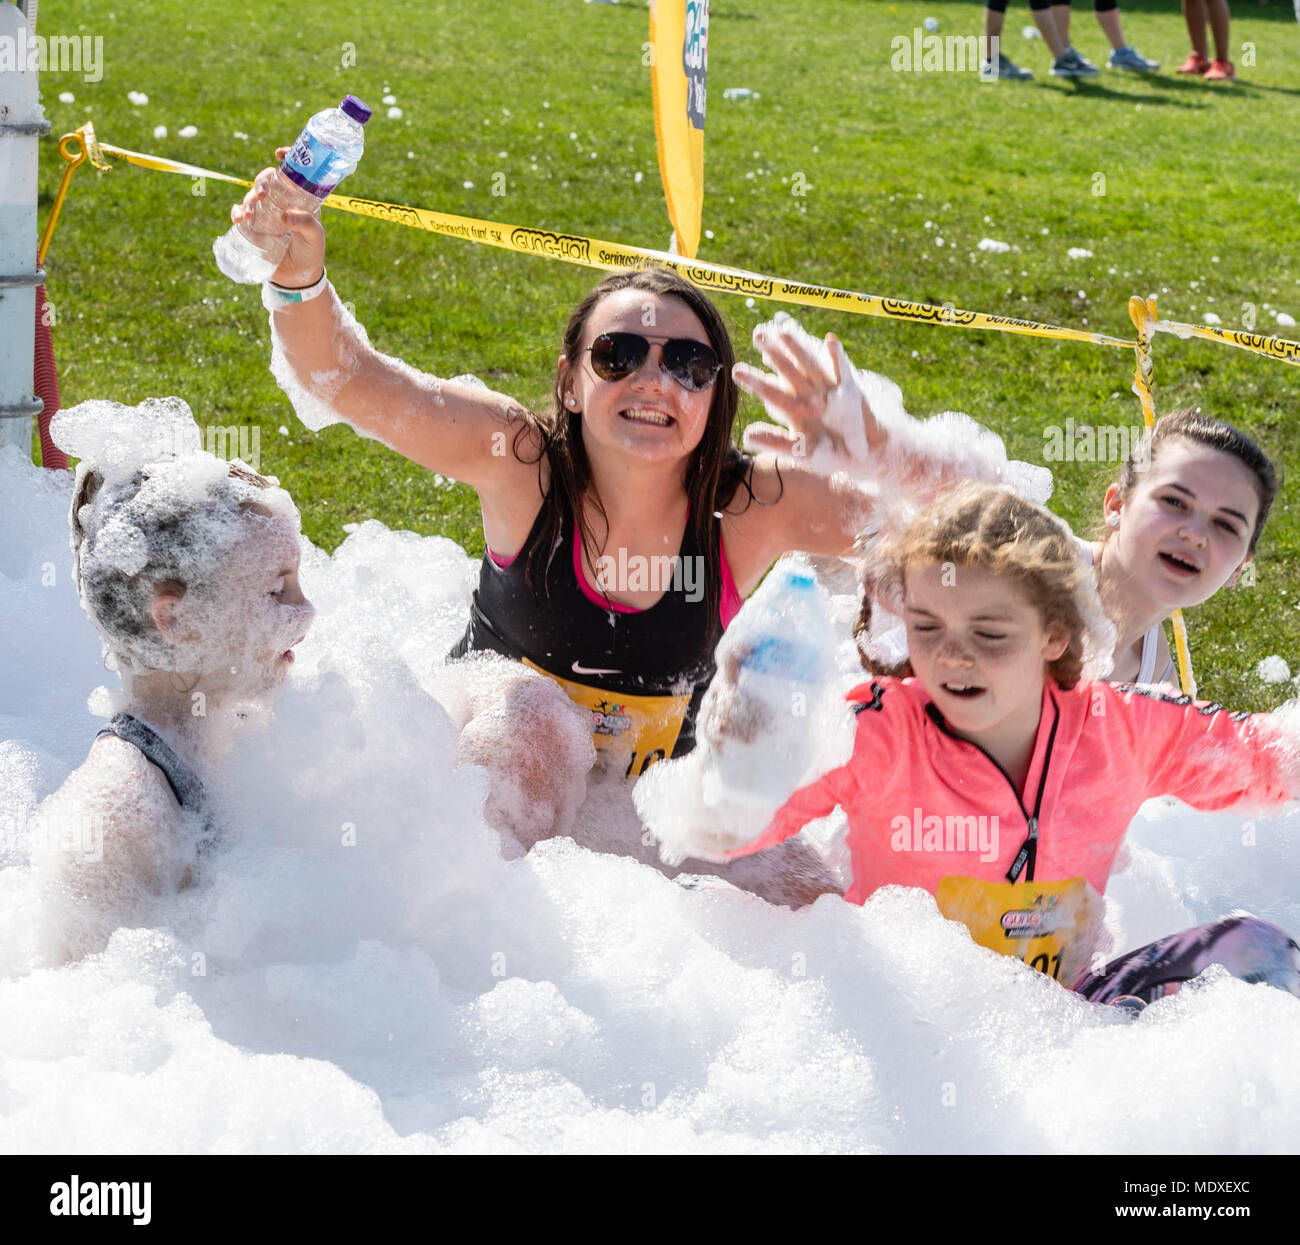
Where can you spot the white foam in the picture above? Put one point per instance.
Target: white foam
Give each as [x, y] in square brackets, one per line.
[416, 992]
[1273, 669]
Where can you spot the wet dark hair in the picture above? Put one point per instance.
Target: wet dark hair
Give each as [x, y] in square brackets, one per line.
[1192, 424]
[172, 529]
[717, 468]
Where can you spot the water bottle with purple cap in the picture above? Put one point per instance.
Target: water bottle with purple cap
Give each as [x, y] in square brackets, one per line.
[325, 152]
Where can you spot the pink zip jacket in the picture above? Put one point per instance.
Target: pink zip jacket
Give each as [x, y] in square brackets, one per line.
[915, 794]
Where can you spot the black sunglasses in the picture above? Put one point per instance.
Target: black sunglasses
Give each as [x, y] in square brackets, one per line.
[693, 365]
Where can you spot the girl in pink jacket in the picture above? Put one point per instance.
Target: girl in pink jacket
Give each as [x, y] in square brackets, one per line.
[1003, 775]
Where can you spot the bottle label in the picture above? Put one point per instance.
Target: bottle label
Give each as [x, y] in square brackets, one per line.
[315, 166]
[791, 659]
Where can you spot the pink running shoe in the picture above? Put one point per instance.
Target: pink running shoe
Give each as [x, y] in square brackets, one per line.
[1221, 71]
[1195, 64]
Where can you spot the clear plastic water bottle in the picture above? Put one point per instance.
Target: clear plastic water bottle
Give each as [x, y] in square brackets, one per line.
[325, 152]
[786, 642]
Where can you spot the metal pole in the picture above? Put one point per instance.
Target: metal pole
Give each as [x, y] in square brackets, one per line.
[21, 126]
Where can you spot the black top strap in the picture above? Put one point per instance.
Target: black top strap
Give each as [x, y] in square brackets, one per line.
[186, 785]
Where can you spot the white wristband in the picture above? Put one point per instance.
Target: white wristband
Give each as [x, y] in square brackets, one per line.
[275, 297]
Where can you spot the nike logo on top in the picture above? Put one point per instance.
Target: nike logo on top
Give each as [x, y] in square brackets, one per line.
[578, 668]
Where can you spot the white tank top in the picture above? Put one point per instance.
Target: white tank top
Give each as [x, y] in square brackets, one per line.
[1150, 641]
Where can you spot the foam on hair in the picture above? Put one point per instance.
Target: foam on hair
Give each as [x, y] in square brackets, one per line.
[150, 510]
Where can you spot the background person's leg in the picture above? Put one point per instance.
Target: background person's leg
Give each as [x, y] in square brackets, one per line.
[1219, 24]
[1044, 19]
[1194, 16]
[995, 16]
[1122, 55]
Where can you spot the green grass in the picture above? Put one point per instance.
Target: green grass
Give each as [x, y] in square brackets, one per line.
[1191, 172]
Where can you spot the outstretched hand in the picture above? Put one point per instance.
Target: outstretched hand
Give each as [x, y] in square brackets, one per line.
[726, 713]
[824, 417]
[305, 260]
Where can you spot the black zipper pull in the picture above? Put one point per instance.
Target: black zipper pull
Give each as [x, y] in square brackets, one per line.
[1027, 855]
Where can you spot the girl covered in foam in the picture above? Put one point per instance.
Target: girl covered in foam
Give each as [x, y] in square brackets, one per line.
[187, 565]
[1003, 776]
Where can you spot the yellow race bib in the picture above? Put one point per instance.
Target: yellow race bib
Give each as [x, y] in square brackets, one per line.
[642, 728]
[1051, 926]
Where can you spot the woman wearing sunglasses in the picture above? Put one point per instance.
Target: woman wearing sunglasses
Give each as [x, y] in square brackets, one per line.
[624, 527]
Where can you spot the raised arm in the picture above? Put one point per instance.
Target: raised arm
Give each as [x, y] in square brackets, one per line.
[326, 364]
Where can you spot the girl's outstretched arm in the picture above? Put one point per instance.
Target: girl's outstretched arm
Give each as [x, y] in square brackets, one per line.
[1207, 756]
[325, 362]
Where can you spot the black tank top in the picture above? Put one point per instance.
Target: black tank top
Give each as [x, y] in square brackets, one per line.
[641, 675]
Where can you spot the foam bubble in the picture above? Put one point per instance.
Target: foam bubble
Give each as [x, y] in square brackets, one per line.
[1273, 669]
[362, 971]
[120, 438]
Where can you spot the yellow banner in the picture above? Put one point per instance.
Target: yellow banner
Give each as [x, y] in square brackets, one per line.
[679, 52]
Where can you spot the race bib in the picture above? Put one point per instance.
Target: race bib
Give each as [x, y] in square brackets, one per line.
[642, 728]
[1051, 926]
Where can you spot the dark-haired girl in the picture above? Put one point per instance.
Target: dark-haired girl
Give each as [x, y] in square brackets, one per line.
[1182, 521]
[624, 527]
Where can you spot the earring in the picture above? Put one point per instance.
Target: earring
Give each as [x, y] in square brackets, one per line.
[1112, 520]
[570, 402]
[176, 686]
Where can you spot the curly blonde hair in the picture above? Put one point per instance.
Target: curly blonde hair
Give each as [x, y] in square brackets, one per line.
[990, 528]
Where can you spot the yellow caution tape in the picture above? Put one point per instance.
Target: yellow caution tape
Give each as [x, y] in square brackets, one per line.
[1273, 347]
[595, 253]
[1143, 314]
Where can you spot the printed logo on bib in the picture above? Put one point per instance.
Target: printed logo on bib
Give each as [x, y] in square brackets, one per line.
[644, 728]
[1034, 922]
[1051, 926]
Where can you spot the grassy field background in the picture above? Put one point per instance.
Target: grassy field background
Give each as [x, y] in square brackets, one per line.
[1200, 208]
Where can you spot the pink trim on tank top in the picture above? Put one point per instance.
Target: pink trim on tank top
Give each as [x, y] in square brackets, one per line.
[728, 607]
